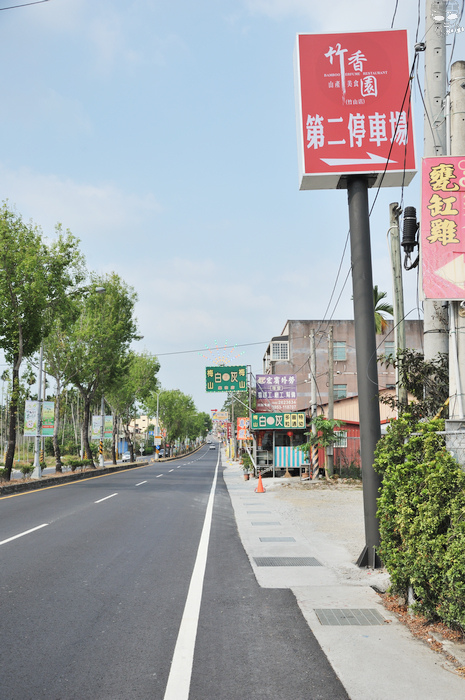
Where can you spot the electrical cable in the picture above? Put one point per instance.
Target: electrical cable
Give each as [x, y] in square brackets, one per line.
[395, 12]
[25, 4]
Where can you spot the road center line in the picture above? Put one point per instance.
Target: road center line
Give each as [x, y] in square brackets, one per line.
[179, 679]
[158, 476]
[141, 482]
[106, 498]
[171, 470]
[21, 534]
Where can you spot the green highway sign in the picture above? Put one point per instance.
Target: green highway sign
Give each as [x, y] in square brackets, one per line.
[276, 421]
[226, 378]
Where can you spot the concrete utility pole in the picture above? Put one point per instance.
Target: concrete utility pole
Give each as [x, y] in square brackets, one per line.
[367, 368]
[399, 322]
[330, 448]
[435, 144]
[457, 312]
[37, 471]
[313, 405]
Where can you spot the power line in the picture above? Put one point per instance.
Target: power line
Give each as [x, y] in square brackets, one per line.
[13, 7]
[217, 347]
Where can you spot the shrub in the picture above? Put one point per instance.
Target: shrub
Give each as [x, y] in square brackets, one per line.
[421, 514]
[27, 470]
[75, 463]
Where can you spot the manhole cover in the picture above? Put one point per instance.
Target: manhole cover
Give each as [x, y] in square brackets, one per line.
[349, 618]
[286, 561]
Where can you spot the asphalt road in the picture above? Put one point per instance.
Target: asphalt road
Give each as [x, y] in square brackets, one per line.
[94, 579]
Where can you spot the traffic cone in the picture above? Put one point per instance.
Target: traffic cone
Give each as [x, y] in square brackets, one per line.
[260, 488]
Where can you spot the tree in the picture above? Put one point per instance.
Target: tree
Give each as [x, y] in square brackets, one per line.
[137, 379]
[380, 309]
[60, 365]
[178, 415]
[426, 380]
[98, 342]
[35, 278]
[324, 436]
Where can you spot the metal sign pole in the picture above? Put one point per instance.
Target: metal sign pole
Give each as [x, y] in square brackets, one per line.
[367, 370]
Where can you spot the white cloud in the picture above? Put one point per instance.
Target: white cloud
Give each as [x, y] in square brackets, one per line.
[99, 214]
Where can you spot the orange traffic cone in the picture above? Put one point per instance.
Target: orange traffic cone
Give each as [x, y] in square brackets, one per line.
[260, 488]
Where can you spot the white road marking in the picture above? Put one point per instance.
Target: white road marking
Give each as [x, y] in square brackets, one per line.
[158, 476]
[179, 679]
[106, 498]
[171, 470]
[141, 482]
[21, 534]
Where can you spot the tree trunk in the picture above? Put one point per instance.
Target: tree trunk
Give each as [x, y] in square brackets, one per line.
[113, 438]
[56, 446]
[10, 453]
[127, 435]
[85, 430]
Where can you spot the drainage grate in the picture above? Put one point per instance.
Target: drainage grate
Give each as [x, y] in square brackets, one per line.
[350, 618]
[258, 524]
[277, 539]
[286, 561]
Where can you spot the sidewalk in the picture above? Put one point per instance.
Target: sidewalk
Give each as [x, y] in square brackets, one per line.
[307, 539]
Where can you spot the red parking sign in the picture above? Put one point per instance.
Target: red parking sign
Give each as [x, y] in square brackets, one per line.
[353, 108]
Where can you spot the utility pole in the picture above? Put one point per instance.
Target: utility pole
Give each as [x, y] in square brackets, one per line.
[37, 472]
[313, 404]
[399, 322]
[330, 448]
[457, 312]
[435, 144]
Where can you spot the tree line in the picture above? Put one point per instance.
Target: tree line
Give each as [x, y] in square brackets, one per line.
[85, 324]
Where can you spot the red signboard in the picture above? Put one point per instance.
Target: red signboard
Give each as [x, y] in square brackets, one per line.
[243, 432]
[443, 227]
[353, 108]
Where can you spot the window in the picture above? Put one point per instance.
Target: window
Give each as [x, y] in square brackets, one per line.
[341, 438]
[339, 349]
[389, 348]
[279, 350]
[340, 391]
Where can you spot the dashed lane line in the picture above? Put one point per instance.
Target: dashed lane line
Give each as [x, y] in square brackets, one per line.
[21, 534]
[106, 498]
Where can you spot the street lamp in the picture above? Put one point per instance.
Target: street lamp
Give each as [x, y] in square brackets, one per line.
[157, 451]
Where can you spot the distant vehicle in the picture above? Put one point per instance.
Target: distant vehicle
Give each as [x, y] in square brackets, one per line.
[161, 453]
[212, 447]
[126, 457]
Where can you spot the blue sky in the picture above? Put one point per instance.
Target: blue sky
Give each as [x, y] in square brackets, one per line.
[162, 134]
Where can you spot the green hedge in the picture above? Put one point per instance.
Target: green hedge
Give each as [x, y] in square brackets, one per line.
[75, 463]
[421, 513]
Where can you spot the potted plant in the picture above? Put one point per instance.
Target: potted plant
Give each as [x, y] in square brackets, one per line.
[247, 465]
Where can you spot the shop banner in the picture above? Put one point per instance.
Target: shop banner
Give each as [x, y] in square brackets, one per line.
[243, 432]
[276, 392]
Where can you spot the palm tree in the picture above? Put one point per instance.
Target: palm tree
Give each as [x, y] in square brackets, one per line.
[380, 309]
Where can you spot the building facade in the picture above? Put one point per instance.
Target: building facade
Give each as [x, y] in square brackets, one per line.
[289, 353]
